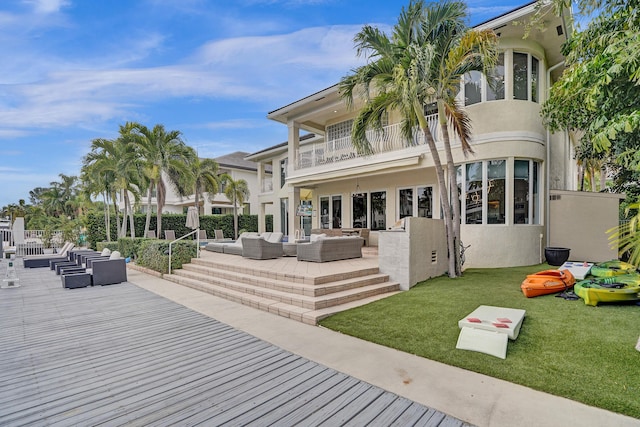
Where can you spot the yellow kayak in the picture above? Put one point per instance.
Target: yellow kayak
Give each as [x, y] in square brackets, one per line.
[610, 289]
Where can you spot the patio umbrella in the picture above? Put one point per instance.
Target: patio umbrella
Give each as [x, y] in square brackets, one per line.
[193, 220]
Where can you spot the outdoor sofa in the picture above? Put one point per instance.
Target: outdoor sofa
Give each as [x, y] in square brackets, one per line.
[323, 249]
[236, 248]
[260, 248]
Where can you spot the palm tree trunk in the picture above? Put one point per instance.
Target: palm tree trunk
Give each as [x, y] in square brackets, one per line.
[147, 223]
[603, 178]
[160, 201]
[451, 170]
[235, 219]
[115, 206]
[107, 215]
[132, 224]
[444, 201]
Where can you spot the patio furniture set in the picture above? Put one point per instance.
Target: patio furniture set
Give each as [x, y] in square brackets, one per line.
[319, 248]
[83, 267]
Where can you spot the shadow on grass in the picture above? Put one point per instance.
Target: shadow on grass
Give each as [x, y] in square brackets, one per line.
[565, 348]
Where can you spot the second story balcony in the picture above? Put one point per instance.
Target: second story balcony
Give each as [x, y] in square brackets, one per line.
[388, 140]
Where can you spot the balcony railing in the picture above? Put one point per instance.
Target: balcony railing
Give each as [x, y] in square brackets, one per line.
[388, 140]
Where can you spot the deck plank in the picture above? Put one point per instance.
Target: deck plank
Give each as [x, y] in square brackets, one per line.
[117, 355]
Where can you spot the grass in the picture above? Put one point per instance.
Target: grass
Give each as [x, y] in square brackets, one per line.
[565, 348]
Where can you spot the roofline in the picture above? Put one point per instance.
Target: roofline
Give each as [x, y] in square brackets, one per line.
[319, 95]
[500, 18]
[275, 148]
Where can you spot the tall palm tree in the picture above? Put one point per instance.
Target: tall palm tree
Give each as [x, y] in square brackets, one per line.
[237, 191]
[420, 64]
[458, 50]
[166, 158]
[205, 178]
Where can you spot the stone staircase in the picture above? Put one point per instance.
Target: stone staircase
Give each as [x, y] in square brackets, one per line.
[303, 298]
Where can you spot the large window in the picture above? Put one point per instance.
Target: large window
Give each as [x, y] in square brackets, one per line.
[378, 210]
[526, 203]
[339, 130]
[416, 202]
[359, 210]
[284, 216]
[283, 172]
[496, 178]
[472, 88]
[524, 78]
[336, 209]
[325, 213]
[495, 90]
[485, 189]
[473, 191]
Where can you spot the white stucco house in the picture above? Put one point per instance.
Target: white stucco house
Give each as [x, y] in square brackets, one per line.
[504, 186]
[234, 165]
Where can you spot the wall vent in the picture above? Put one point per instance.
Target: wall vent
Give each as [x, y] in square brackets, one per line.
[434, 257]
[554, 197]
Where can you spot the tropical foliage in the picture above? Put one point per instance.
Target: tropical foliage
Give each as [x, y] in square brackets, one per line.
[597, 97]
[421, 64]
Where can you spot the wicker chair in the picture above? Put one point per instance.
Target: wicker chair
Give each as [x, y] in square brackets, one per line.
[258, 248]
[331, 249]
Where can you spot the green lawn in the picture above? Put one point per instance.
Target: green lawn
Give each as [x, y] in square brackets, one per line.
[564, 348]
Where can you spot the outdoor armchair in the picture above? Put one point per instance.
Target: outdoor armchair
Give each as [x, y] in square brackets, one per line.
[259, 248]
[169, 235]
[109, 272]
[44, 260]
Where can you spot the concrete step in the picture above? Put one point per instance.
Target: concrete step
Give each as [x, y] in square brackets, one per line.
[284, 285]
[301, 314]
[285, 276]
[310, 302]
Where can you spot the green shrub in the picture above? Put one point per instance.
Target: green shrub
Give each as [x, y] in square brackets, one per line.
[96, 231]
[130, 247]
[112, 246]
[154, 254]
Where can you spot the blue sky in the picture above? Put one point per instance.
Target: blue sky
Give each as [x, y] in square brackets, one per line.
[74, 70]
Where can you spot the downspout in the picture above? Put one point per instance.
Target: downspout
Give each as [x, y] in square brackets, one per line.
[547, 180]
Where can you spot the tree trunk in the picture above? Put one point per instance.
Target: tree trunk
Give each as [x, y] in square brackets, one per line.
[444, 201]
[115, 206]
[147, 223]
[123, 231]
[451, 170]
[235, 218]
[132, 224]
[160, 195]
[603, 178]
[107, 215]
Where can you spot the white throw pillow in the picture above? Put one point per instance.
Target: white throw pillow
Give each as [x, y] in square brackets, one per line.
[105, 252]
[316, 237]
[115, 255]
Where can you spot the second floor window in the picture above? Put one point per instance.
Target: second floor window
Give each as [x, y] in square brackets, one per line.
[339, 130]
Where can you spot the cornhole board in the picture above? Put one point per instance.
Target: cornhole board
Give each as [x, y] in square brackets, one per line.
[488, 329]
[580, 270]
[492, 343]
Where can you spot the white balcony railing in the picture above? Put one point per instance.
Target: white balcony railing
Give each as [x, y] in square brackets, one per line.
[388, 140]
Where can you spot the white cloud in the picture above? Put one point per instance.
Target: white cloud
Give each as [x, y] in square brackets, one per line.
[47, 6]
[268, 69]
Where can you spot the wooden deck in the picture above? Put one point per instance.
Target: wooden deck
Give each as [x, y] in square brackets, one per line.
[119, 355]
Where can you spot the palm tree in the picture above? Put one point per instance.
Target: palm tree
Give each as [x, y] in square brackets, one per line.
[237, 191]
[166, 158]
[420, 64]
[458, 50]
[205, 178]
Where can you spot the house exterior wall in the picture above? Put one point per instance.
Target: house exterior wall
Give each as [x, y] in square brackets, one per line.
[587, 234]
[504, 213]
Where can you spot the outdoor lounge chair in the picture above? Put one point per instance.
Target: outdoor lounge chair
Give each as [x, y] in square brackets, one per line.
[219, 236]
[44, 260]
[109, 272]
[151, 235]
[330, 249]
[231, 247]
[259, 248]
[169, 235]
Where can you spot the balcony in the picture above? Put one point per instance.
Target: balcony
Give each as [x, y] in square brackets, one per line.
[388, 140]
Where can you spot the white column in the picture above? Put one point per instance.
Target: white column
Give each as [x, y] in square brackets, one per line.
[262, 227]
[294, 221]
[293, 146]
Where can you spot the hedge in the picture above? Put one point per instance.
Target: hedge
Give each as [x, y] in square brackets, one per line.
[154, 254]
[96, 230]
